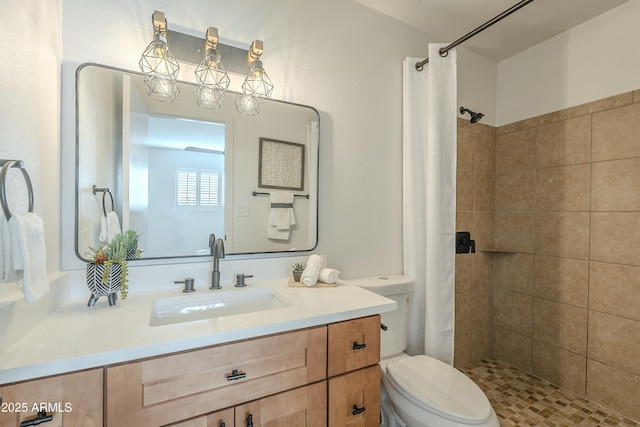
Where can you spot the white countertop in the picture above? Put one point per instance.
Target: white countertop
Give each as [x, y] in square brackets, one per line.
[78, 337]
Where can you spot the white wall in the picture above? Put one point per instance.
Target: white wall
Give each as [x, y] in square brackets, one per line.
[589, 62]
[338, 56]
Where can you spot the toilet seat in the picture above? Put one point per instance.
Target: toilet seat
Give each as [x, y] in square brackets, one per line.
[439, 388]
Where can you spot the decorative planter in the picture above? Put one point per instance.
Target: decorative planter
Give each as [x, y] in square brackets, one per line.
[98, 288]
[297, 275]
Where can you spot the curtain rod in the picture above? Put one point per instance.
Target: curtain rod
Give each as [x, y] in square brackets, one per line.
[443, 51]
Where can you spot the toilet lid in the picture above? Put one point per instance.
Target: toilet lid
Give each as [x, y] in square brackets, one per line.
[439, 388]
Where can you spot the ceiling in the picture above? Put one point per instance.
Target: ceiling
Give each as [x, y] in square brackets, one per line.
[448, 20]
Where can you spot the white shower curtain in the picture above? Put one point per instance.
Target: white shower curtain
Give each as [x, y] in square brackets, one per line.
[429, 200]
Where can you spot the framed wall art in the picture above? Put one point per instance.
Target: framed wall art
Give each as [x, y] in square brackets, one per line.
[281, 165]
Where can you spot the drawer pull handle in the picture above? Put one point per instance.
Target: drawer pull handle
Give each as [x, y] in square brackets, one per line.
[357, 346]
[42, 417]
[235, 375]
[383, 326]
[357, 410]
[249, 420]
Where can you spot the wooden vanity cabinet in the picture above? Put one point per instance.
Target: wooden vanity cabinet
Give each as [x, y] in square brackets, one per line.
[224, 418]
[73, 400]
[168, 389]
[354, 372]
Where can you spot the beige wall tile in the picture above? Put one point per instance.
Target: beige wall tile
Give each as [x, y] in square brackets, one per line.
[616, 185]
[464, 305]
[513, 272]
[616, 133]
[480, 308]
[462, 349]
[615, 341]
[614, 388]
[514, 192]
[481, 343]
[512, 310]
[485, 191]
[512, 348]
[515, 231]
[564, 143]
[563, 188]
[516, 151]
[615, 237]
[466, 149]
[464, 273]
[482, 269]
[559, 366]
[464, 190]
[485, 153]
[562, 325]
[615, 289]
[601, 105]
[564, 234]
[483, 229]
[564, 280]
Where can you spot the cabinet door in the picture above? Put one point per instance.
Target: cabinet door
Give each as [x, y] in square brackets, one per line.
[305, 406]
[354, 398]
[178, 387]
[353, 344]
[73, 400]
[224, 418]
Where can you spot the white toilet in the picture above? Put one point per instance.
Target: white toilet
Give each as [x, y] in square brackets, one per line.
[420, 391]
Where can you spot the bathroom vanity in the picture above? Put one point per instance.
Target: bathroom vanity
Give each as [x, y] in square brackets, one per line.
[313, 362]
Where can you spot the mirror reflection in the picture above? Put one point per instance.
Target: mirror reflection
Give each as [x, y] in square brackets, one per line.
[177, 173]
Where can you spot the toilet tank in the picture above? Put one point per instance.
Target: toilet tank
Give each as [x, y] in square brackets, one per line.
[399, 288]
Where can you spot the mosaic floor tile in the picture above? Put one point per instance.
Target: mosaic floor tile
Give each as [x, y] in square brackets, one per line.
[521, 399]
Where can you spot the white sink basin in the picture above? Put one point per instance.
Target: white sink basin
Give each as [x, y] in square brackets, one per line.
[210, 305]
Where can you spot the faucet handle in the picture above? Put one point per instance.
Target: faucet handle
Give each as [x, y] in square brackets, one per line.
[188, 284]
[240, 280]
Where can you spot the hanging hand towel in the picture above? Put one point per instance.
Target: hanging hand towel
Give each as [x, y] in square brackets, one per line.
[29, 254]
[328, 275]
[7, 271]
[281, 216]
[310, 274]
[109, 227]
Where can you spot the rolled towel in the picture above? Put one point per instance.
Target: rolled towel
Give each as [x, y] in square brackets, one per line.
[310, 274]
[328, 275]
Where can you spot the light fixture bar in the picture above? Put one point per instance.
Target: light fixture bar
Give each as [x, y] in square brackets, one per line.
[190, 49]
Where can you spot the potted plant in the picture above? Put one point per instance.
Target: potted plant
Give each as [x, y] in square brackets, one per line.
[108, 269]
[298, 268]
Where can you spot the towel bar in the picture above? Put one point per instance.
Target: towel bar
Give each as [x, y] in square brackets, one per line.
[255, 193]
[6, 165]
[104, 192]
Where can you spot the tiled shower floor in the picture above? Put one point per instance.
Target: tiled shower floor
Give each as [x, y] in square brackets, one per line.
[521, 399]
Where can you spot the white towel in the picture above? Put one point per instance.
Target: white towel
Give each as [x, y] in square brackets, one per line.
[280, 218]
[7, 272]
[311, 272]
[328, 275]
[29, 254]
[109, 227]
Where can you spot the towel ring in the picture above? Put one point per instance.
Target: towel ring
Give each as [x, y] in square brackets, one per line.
[104, 192]
[7, 164]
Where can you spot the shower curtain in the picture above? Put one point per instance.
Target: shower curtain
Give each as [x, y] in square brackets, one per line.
[429, 201]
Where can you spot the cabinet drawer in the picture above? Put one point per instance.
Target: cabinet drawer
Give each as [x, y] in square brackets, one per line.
[217, 419]
[74, 400]
[354, 398]
[173, 388]
[304, 406]
[353, 344]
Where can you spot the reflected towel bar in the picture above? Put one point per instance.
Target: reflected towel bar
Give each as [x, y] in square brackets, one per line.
[104, 192]
[255, 193]
[6, 165]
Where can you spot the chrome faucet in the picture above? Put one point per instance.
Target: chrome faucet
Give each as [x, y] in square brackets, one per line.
[216, 248]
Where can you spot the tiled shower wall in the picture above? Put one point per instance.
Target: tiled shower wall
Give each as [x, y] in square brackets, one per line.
[566, 301]
[475, 200]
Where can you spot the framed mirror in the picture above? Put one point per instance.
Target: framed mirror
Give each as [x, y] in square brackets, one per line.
[176, 173]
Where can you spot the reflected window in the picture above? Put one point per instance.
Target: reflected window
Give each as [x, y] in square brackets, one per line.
[199, 189]
[186, 187]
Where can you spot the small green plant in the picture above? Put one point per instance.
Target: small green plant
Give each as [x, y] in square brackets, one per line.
[298, 266]
[114, 253]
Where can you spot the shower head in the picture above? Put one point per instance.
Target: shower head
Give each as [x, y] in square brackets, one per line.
[475, 117]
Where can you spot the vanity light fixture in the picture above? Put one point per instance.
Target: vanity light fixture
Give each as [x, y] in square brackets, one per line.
[211, 76]
[158, 66]
[257, 83]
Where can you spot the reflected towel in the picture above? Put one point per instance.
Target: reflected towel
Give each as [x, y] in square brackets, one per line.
[7, 271]
[281, 216]
[310, 274]
[109, 227]
[328, 275]
[29, 254]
